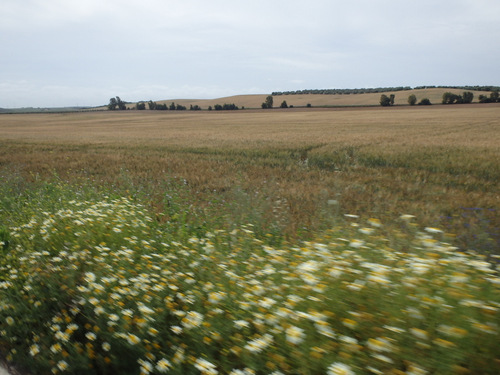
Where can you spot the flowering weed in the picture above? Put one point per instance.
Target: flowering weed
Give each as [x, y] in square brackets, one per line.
[98, 287]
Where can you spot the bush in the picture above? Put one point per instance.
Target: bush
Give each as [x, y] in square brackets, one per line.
[412, 99]
[425, 101]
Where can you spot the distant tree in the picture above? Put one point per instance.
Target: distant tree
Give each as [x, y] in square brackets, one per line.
[172, 106]
[391, 99]
[195, 107]
[121, 104]
[484, 99]
[140, 106]
[116, 103]
[467, 97]
[494, 97]
[425, 101]
[112, 104]
[284, 104]
[308, 105]
[385, 101]
[450, 98]
[209, 107]
[179, 107]
[152, 105]
[268, 103]
[412, 99]
[264, 105]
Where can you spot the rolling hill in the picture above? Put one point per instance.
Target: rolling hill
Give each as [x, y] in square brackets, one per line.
[319, 100]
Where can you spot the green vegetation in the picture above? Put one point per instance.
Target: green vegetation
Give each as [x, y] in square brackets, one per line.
[380, 89]
[91, 282]
[225, 107]
[450, 98]
[116, 103]
[268, 103]
[412, 99]
[493, 98]
[386, 101]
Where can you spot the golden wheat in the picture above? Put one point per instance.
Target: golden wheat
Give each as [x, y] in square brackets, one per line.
[427, 161]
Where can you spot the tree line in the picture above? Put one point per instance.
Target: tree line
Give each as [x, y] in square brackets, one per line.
[380, 90]
[118, 104]
[386, 101]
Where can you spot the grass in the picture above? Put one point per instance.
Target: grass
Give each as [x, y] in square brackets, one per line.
[99, 286]
[363, 241]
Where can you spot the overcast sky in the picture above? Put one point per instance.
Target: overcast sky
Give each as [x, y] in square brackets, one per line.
[82, 52]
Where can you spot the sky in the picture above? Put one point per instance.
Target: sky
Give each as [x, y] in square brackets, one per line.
[57, 53]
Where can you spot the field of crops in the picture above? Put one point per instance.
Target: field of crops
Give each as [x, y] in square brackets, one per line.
[345, 241]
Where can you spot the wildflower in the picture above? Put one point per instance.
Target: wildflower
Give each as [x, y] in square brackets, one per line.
[415, 370]
[133, 339]
[419, 333]
[366, 231]
[382, 358]
[34, 350]
[374, 222]
[106, 346]
[349, 323]
[309, 266]
[192, 319]
[241, 324]
[351, 216]
[99, 310]
[163, 365]
[451, 331]
[443, 343]
[9, 320]
[176, 329]
[356, 243]
[146, 367]
[89, 277]
[433, 230]
[178, 356]
[394, 329]
[406, 217]
[259, 344]
[90, 336]
[63, 336]
[338, 368]
[379, 345]
[245, 371]
[324, 329]
[62, 365]
[205, 367]
[216, 297]
[127, 312]
[295, 335]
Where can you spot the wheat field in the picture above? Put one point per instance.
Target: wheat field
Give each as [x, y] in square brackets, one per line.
[439, 163]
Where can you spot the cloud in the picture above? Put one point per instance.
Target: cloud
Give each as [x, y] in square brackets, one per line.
[198, 48]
